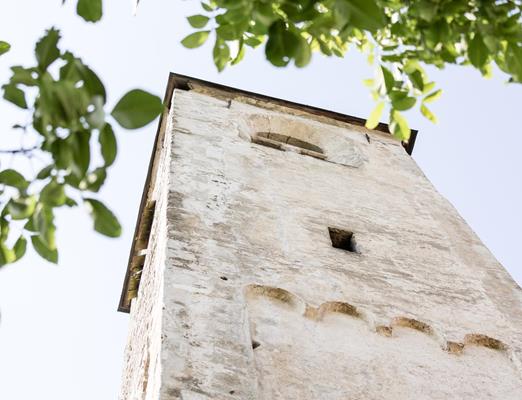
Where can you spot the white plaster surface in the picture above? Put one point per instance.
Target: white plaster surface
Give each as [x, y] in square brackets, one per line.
[236, 215]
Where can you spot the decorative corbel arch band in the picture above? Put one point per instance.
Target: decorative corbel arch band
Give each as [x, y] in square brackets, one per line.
[318, 313]
[340, 351]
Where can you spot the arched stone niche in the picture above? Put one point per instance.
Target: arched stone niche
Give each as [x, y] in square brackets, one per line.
[307, 137]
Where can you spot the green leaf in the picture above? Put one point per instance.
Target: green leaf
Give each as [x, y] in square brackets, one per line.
[389, 80]
[96, 118]
[303, 53]
[45, 252]
[96, 179]
[81, 152]
[240, 54]
[478, 51]
[23, 76]
[399, 126]
[4, 47]
[30, 226]
[45, 172]
[411, 66]
[92, 82]
[15, 95]
[221, 54]
[136, 109]
[253, 41]
[417, 79]
[70, 202]
[208, 7]
[53, 194]
[432, 96]
[43, 223]
[281, 45]
[514, 61]
[108, 144]
[47, 49]
[365, 14]
[7, 255]
[13, 178]
[369, 83]
[4, 227]
[428, 114]
[230, 31]
[487, 71]
[104, 220]
[195, 39]
[20, 248]
[90, 10]
[404, 103]
[73, 180]
[428, 87]
[21, 207]
[198, 21]
[62, 153]
[491, 42]
[373, 119]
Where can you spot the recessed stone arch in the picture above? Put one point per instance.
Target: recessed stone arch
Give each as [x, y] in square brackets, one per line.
[291, 133]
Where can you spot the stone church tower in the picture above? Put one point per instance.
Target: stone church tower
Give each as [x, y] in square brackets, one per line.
[284, 252]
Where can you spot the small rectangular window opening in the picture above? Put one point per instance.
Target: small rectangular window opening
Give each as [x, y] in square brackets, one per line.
[342, 239]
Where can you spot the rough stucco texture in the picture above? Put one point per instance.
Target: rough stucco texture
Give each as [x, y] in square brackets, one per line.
[257, 304]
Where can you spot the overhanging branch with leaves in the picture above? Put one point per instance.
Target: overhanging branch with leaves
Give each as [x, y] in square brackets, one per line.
[67, 110]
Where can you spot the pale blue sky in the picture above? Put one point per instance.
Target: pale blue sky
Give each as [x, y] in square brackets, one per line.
[60, 335]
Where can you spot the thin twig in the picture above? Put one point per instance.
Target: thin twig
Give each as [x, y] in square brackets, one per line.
[19, 151]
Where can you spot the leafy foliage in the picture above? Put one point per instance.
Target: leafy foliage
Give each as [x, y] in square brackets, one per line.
[398, 36]
[66, 100]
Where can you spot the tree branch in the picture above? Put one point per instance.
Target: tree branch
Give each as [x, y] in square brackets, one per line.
[19, 151]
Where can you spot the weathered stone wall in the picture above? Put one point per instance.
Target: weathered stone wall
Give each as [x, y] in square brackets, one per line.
[142, 368]
[259, 305]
